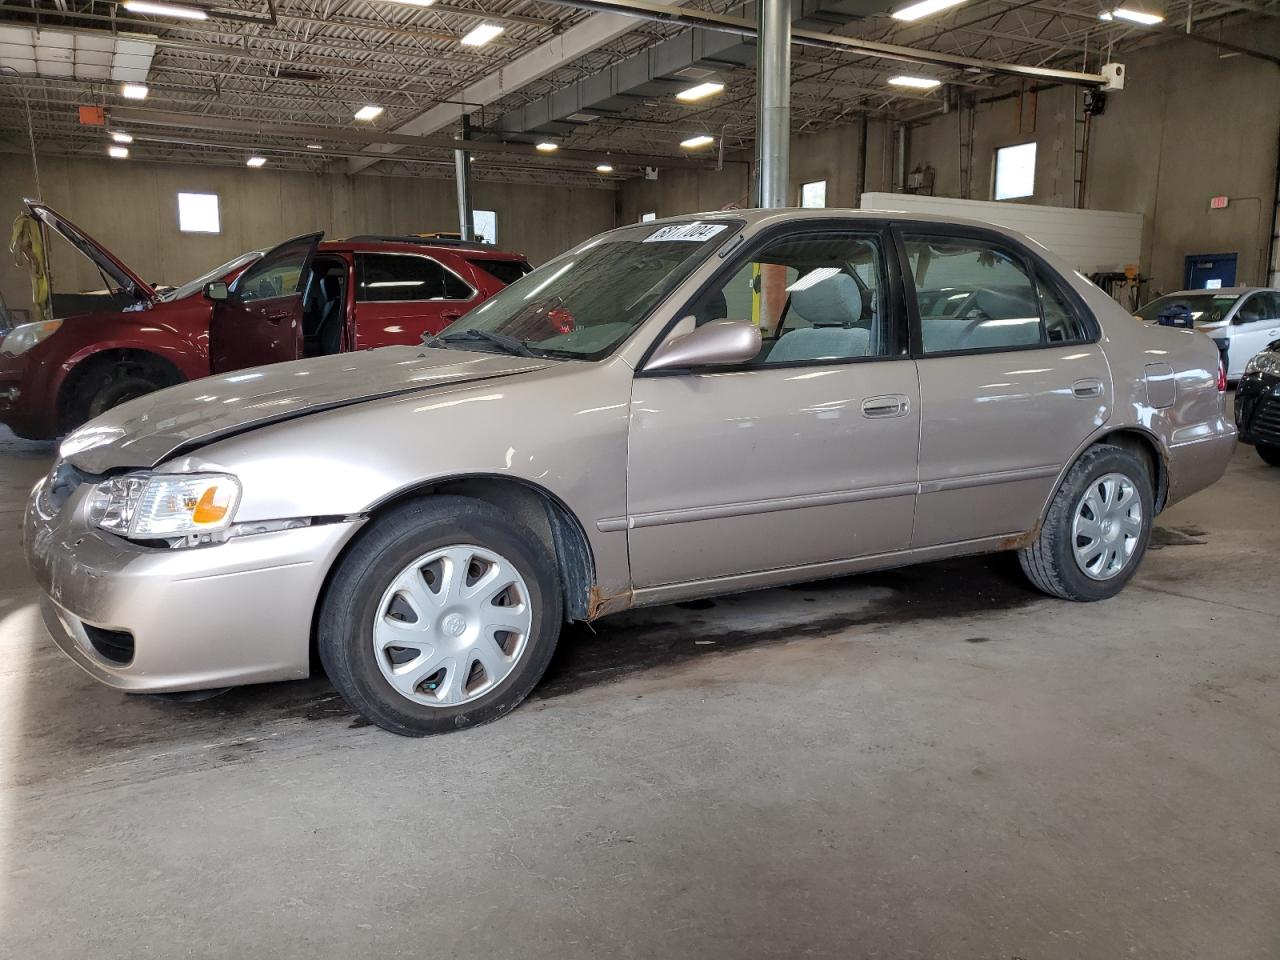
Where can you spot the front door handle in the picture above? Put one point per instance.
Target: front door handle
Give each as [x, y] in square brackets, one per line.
[893, 405]
[1085, 389]
[276, 317]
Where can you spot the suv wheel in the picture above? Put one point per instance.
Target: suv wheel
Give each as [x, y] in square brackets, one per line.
[443, 615]
[1270, 452]
[1096, 530]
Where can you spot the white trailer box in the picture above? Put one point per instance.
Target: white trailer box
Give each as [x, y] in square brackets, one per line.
[1093, 241]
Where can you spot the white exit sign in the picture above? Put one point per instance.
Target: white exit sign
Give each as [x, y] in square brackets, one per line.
[1218, 203]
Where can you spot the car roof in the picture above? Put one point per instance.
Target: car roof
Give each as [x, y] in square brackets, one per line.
[781, 214]
[472, 252]
[1219, 292]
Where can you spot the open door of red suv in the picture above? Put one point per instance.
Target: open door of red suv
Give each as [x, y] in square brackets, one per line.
[261, 319]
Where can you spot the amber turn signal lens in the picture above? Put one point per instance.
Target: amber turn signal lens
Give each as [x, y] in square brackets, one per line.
[212, 506]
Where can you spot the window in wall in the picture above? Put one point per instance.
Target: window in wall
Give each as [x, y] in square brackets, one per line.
[1015, 171]
[382, 277]
[815, 297]
[973, 295]
[198, 213]
[813, 194]
[484, 224]
[647, 217]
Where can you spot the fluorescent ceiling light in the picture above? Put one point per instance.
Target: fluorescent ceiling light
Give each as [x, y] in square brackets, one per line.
[1106, 15]
[813, 278]
[368, 112]
[314, 146]
[133, 91]
[118, 152]
[255, 162]
[700, 92]
[1137, 16]
[546, 146]
[479, 36]
[693, 143]
[165, 10]
[119, 136]
[414, 3]
[922, 9]
[603, 168]
[915, 83]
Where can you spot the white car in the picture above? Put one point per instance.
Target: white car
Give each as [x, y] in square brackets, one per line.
[1241, 320]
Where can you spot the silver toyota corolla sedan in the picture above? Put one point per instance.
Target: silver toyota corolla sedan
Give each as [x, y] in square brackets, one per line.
[669, 410]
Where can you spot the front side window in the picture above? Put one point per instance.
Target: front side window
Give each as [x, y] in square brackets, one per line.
[382, 277]
[1015, 172]
[972, 296]
[815, 297]
[585, 302]
[278, 274]
[1254, 309]
[219, 272]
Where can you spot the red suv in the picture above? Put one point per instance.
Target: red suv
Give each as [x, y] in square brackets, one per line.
[302, 298]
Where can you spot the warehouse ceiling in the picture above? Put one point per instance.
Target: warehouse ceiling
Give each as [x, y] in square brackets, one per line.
[283, 79]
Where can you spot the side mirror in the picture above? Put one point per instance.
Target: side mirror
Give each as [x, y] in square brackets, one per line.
[216, 291]
[716, 343]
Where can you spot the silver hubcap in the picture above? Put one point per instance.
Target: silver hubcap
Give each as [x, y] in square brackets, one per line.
[1107, 525]
[452, 625]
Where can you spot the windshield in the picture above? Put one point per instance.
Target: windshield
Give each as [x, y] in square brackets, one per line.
[1204, 307]
[217, 273]
[585, 302]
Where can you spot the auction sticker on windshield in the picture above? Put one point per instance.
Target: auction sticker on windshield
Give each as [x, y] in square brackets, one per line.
[696, 232]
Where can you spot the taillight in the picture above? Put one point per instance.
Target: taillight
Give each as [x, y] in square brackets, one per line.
[1222, 376]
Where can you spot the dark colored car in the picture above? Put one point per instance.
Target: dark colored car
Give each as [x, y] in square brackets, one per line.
[1258, 404]
[302, 298]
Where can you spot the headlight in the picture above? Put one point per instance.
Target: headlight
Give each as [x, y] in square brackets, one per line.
[1268, 361]
[26, 335]
[159, 506]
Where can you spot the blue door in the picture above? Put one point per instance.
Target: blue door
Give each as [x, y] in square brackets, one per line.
[1210, 271]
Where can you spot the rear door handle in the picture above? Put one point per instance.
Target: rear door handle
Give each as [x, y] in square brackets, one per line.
[894, 405]
[1084, 389]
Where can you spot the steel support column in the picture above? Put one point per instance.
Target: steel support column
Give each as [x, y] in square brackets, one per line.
[773, 103]
[462, 170]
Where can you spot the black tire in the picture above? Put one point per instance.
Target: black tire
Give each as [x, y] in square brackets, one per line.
[1050, 563]
[391, 543]
[1270, 452]
[119, 390]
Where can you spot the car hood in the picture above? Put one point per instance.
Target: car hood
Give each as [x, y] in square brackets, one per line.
[106, 261]
[146, 431]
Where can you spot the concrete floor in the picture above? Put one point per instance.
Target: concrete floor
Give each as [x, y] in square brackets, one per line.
[932, 763]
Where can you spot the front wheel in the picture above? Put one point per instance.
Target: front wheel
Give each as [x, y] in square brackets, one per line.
[443, 615]
[1270, 452]
[1096, 530]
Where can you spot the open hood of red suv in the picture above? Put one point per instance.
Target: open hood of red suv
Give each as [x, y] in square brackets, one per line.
[113, 267]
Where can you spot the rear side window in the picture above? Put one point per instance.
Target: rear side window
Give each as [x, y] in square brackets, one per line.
[384, 277]
[976, 296]
[508, 271]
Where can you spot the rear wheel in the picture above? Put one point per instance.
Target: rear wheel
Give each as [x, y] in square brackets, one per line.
[1270, 452]
[444, 614]
[1096, 530]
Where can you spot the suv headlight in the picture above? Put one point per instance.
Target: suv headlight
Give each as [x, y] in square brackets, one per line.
[159, 506]
[1268, 361]
[26, 335]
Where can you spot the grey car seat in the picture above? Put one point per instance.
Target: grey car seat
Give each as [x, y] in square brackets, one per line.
[831, 307]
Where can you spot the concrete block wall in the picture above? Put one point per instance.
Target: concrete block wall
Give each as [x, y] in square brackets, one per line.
[132, 208]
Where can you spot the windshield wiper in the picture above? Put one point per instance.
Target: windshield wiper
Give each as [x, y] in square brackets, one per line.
[429, 339]
[500, 340]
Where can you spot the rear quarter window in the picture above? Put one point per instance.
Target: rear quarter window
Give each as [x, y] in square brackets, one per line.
[508, 271]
